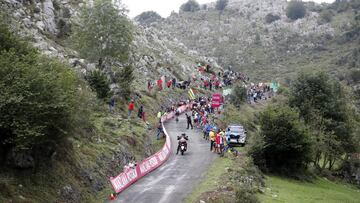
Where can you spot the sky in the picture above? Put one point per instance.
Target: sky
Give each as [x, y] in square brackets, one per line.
[165, 7]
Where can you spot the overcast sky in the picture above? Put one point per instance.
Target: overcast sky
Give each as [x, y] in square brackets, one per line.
[164, 7]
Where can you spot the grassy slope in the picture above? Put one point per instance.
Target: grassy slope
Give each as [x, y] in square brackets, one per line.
[211, 178]
[217, 175]
[90, 156]
[320, 190]
[287, 190]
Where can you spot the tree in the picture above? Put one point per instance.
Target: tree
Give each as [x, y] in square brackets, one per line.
[295, 9]
[325, 16]
[327, 107]
[103, 32]
[221, 5]
[38, 97]
[238, 96]
[286, 141]
[124, 79]
[190, 6]
[270, 18]
[99, 83]
[148, 17]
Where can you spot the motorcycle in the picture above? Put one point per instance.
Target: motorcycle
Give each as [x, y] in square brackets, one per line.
[182, 148]
[182, 144]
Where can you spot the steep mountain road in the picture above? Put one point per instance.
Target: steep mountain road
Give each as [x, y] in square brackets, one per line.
[175, 179]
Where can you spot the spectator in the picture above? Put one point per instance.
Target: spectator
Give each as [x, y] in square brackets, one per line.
[130, 108]
[159, 114]
[189, 123]
[112, 196]
[149, 85]
[212, 139]
[217, 143]
[111, 104]
[140, 112]
[168, 83]
[159, 130]
[174, 82]
[159, 84]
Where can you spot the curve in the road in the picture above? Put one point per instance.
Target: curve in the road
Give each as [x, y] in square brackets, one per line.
[175, 179]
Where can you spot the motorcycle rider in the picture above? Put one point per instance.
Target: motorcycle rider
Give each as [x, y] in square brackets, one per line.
[182, 139]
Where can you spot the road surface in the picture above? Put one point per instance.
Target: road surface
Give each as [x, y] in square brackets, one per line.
[175, 179]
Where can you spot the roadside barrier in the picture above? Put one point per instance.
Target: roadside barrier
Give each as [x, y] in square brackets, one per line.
[131, 175]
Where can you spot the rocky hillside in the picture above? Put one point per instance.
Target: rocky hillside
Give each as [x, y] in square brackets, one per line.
[48, 24]
[258, 37]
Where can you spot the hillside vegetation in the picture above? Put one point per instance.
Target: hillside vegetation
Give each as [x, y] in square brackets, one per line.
[259, 37]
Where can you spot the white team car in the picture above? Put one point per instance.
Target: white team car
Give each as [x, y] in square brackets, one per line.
[237, 134]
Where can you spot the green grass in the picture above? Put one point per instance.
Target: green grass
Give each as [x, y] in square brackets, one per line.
[320, 190]
[211, 179]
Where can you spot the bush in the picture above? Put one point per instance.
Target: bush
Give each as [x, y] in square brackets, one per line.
[295, 10]
[325, 16]
[286, 146]
[221, 5]
[355, 75]
[245, 195]
[148, 17]
[124, 79]
[190, 6]
[270, 18]
[38, 97]
[238, 96]
[99, 83]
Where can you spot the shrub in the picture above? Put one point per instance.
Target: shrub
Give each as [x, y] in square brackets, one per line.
[355, 75]
[124, 79]
[190, 6]
[221, 5]
[64, 29]
[238, 96]
[295, 10]
[148, 17]
[245, 195]
[325, 16]
[38, 97]
[286, 146]
[99, 83]
[270, 18]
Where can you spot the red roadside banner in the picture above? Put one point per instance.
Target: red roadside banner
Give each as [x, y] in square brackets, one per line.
[131, 175]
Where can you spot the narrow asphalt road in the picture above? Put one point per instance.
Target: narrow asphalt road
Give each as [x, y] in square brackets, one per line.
[175, 179]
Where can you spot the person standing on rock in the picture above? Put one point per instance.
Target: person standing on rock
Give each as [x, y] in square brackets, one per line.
[168, 83]
[130, 108]
[140, 112]
[159, 84]
[189, 123]
[174, 82]
[149, 85]
[111, 104]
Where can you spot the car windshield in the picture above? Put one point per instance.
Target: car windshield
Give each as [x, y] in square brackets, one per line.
[236, 129]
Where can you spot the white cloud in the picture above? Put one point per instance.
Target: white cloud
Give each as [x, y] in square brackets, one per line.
[165, 7]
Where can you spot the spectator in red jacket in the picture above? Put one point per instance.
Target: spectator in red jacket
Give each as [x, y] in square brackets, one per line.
[130, 108]
[168, 83]
[159, 84]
